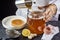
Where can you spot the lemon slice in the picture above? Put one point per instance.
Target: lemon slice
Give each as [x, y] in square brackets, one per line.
[26, 32]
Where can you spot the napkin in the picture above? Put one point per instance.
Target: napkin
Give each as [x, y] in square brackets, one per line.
[55, 30]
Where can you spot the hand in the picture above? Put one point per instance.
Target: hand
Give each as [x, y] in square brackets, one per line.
[50, 12]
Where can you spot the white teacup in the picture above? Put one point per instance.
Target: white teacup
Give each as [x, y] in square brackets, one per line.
[6, 22]
[42, 3]
[11, 30]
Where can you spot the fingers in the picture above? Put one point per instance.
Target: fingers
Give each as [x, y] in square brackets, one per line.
[47, 15]
[50, 11]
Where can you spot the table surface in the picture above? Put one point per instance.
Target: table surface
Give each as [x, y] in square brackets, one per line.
[5, 37]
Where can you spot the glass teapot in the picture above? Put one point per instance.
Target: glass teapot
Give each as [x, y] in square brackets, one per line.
[35, 21]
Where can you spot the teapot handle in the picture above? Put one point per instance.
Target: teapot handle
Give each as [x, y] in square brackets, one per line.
[51, 2]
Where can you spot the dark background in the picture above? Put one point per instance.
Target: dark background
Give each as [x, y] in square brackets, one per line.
[7, 8]
[59, 17]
